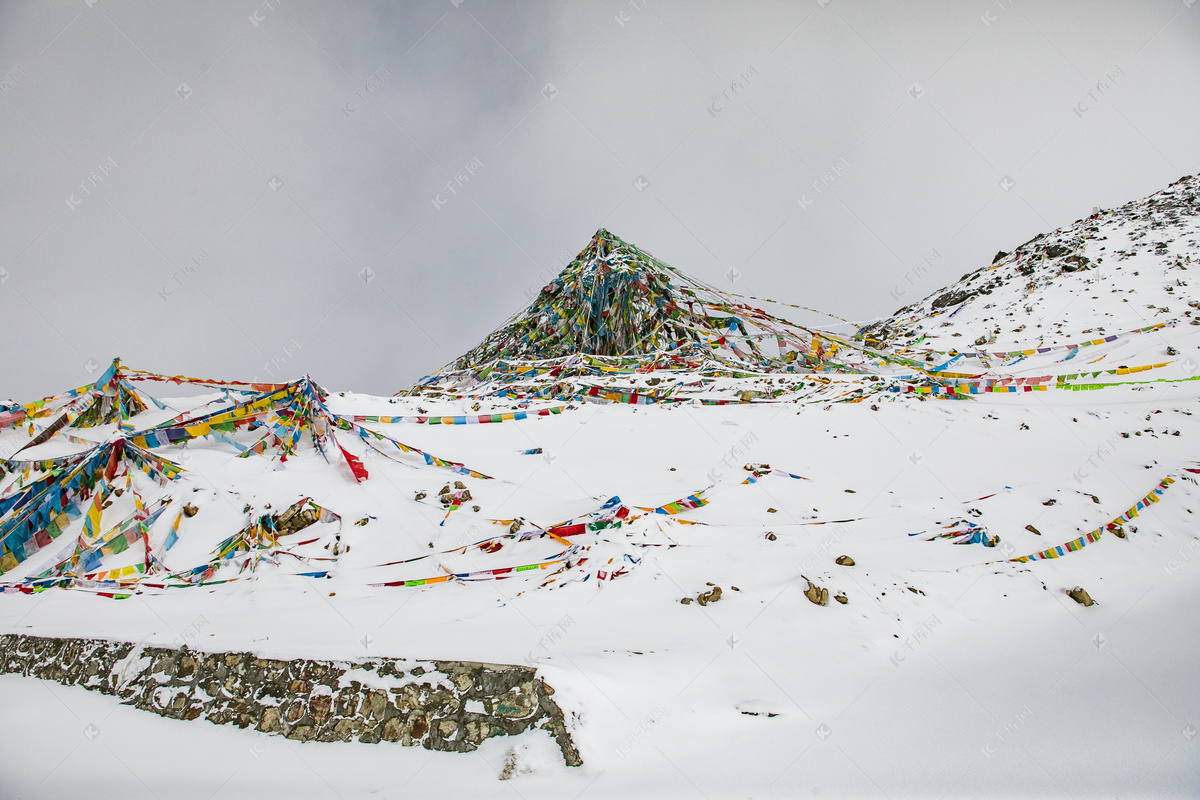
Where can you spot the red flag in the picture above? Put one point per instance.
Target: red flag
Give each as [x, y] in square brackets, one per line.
[356, 465]
[114, 458]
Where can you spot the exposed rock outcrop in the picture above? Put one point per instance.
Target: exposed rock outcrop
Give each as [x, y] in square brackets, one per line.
[440, 705]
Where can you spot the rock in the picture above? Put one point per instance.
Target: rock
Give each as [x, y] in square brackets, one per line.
[952, 298]
[393, 730]
[816, 594]
[1117, 531]
[510, 766]
[1057, 251]
[301, 733]
[1080, 595]
[341, 731]
[1075, 263]
[686, 601]
[514, 705]
[770, 511]
[771, 537]
[459, 485]
[710, 596]
[841, 598]
[270, 721]
[322, 706]
[190, 510]
[1032, 529]
[186, 668]
[844, 561]
[295, 518]
[1000, 255]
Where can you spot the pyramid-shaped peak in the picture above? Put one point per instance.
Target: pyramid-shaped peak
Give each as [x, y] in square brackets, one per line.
[618, 302]
[606, 248]
[613, 299]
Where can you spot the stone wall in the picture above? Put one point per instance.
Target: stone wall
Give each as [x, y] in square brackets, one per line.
[441, 705]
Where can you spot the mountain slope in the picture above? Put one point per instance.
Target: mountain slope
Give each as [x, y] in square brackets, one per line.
[616, 310]
[582, 536]
[1116, 271]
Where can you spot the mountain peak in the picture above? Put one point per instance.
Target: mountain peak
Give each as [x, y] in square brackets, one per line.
[613, 299]
[617, 301]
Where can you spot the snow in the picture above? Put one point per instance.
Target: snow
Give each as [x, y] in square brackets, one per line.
[951, 671]
[1004, 653]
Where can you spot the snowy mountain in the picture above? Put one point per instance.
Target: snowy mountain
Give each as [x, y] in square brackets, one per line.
[748, 558]
[1115, 271]
[618, 314]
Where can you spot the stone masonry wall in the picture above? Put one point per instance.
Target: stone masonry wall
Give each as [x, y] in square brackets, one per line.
[441, 705]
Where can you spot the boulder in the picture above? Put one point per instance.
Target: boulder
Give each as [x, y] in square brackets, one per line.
[816, 594]
[951, 298]
[1080, 595]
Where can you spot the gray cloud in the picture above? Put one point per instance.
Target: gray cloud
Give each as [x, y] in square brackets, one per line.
[362, 191]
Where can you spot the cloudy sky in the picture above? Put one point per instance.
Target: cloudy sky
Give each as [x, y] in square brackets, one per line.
[362, 191]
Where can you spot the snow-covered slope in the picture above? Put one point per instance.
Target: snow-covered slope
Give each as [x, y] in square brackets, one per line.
[1118, 270]
[958, 665]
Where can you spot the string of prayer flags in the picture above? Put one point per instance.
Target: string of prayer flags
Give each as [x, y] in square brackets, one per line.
[1094, 536]
[757, 471]
[965, 532]
[499, 573]
[478, 419]
[691, 501]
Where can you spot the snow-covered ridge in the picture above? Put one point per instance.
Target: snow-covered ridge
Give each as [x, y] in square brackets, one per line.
[1116, 270]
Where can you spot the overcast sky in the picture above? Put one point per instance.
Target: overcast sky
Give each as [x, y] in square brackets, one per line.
[362, 191]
